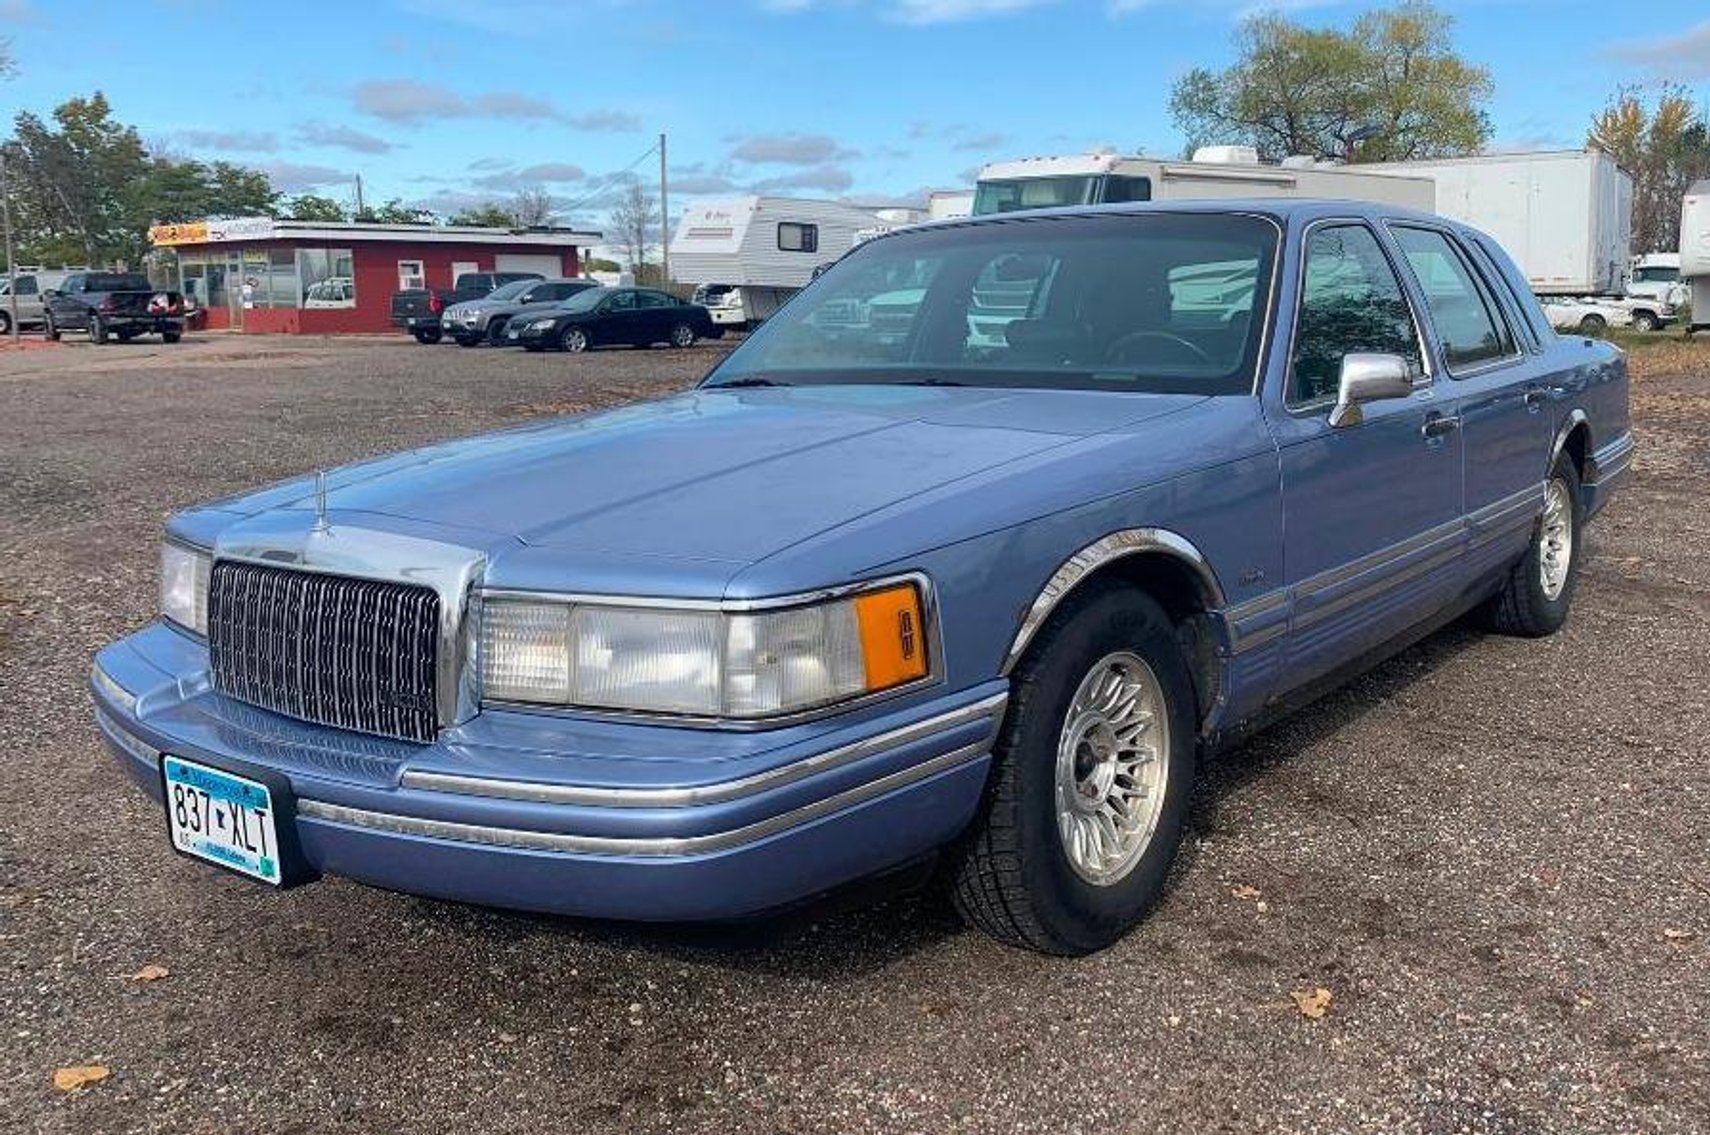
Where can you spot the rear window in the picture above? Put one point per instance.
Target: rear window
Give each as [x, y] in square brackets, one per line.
[115, 282]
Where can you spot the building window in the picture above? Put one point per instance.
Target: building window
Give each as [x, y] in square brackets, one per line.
[328, 278]
[796, 237]
[411, 274]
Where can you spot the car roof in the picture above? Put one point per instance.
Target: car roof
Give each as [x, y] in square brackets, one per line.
[1285, 210]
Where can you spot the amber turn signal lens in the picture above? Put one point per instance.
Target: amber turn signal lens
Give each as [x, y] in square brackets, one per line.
[893, 636]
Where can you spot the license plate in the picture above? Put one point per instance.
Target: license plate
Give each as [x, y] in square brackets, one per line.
[222, 818]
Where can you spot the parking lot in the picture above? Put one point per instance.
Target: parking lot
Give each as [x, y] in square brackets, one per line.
[1492, 853]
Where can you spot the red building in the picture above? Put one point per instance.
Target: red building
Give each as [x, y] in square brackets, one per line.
[314, 277]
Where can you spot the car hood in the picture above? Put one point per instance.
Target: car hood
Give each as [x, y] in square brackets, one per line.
[732, 475]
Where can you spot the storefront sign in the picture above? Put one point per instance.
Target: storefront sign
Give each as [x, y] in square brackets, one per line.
[211, 232]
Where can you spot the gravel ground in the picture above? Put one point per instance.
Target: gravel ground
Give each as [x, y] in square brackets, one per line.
[1490, 852]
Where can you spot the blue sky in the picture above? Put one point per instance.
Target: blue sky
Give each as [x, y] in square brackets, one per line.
[448, 103]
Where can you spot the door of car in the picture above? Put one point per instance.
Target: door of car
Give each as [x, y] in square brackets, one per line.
[1372, 508]
[618, 322]
[659, 313]
[1495, 362]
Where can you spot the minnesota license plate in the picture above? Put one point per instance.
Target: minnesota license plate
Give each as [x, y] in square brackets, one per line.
[225, 819]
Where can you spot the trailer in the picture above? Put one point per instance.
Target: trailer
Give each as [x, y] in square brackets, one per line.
[1221, 172]
[748, 255]
[1695, 251]
[1565, 216]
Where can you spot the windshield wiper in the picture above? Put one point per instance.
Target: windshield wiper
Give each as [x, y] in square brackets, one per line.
[738, 383]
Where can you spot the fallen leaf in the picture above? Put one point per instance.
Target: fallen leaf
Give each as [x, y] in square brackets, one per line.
[1313, 1004]
[1244, 892]
[151, 972]
[1674, 935]
[70, 1079]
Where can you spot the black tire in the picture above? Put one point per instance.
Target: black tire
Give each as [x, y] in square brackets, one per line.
[171, 336]
[682, 335]
[467, 340]
[1011, 876]
[426, 338]
[49, 331]
[573, 339]
[496, 331]
[5, 323]
[1524, 606]
[1645, 321]
[1593, 324]
[97, 329]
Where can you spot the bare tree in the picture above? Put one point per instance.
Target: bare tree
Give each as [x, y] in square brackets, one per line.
[532, 208]
[634, 219]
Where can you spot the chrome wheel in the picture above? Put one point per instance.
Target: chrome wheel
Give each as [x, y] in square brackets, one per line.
[1555, 539]
[1112, 768]
[574, 340]
[682, 335]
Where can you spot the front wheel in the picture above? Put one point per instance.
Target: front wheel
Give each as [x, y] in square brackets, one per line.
[682, 335]
[5, 323]
[574, 340]
[1535, 597]
[1593, 324]
[1089, 783]
[1645, 321]
[97, 329]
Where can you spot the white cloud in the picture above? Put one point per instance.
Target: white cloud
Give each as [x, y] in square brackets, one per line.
[409, 101]
[1683, 57]
[789, 149]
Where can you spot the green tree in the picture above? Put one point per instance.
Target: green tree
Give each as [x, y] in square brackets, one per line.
[490, 214]
[395, 212]
[314, 207]
[1664, 147]
[1391, 88]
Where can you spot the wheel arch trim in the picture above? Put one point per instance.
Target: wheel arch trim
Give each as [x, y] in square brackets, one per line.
[1123, 544]
[1576, 418]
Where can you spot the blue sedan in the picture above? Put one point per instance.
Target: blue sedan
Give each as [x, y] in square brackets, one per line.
[972, 551]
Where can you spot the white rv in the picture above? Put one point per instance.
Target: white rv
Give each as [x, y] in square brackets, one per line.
[1215, 172]
[747, 255]
[1695, 251]
[1565, 216]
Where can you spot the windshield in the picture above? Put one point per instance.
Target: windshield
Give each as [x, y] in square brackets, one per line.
[1034, 193]
[511, 290]
[1657, 274]
[586, 300]
[1158, 302]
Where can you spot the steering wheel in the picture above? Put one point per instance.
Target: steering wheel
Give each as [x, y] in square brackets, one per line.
[1115, 352]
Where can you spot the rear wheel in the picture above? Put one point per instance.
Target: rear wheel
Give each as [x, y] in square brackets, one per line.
[426, 337]
[5, 323]
[1089, 783]
[1593, 324]
[682, 335]
[97, 329]
[574, 340]
[1534, 600]
[496, 332]
[171, 336]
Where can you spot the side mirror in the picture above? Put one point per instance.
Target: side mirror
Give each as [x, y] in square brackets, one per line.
[51, 294]
[1369, 378]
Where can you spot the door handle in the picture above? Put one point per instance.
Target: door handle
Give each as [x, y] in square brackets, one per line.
[1536, 396]
[1439, 425]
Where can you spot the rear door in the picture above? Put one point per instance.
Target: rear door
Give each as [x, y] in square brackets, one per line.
[619, 319]
[1495, 363]
[1372, 510]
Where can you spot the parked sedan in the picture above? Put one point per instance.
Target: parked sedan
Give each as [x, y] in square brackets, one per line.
[602, 316]
[484, 320]
[865, 598]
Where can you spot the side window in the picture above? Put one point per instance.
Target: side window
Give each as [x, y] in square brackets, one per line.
[1351, 302]
[1120, 188]
[653, 299]
[621, 301]
[796, 237]
[1471, 329]
[411, 275]
[26, 285]
[1518, 305]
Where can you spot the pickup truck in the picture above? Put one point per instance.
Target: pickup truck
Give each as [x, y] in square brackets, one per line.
[418, 310]
[107, 305]
[29, 303]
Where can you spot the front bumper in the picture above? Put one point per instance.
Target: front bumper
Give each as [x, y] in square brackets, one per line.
[548, 812]
[728, 316]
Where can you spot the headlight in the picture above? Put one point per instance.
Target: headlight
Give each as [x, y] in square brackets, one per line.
[541, 324]
[184, 585]
[735, 664]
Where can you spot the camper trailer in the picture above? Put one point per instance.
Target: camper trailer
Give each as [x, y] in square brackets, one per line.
[1695, 251]
[1565, 216]
[1215, 172]
[747, 255]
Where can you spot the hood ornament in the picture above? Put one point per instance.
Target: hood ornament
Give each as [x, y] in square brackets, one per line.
[321, 523]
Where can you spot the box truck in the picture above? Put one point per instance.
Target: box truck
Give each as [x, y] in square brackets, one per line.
[1565, 216]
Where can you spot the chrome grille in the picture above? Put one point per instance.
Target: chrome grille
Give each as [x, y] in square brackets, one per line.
[352, 653]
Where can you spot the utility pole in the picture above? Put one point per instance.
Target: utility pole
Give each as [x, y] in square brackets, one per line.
[664, 219]
[357, 216]
[11, 259]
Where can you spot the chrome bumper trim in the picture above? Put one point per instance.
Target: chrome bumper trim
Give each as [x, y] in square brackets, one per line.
[109, 685]
[124, 739]
[529, 840]
[718, 792]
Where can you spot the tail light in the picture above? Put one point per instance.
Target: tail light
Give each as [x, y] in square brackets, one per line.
[435, 304]
[107, 303]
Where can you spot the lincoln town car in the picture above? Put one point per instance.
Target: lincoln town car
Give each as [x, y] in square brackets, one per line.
[975, 585]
